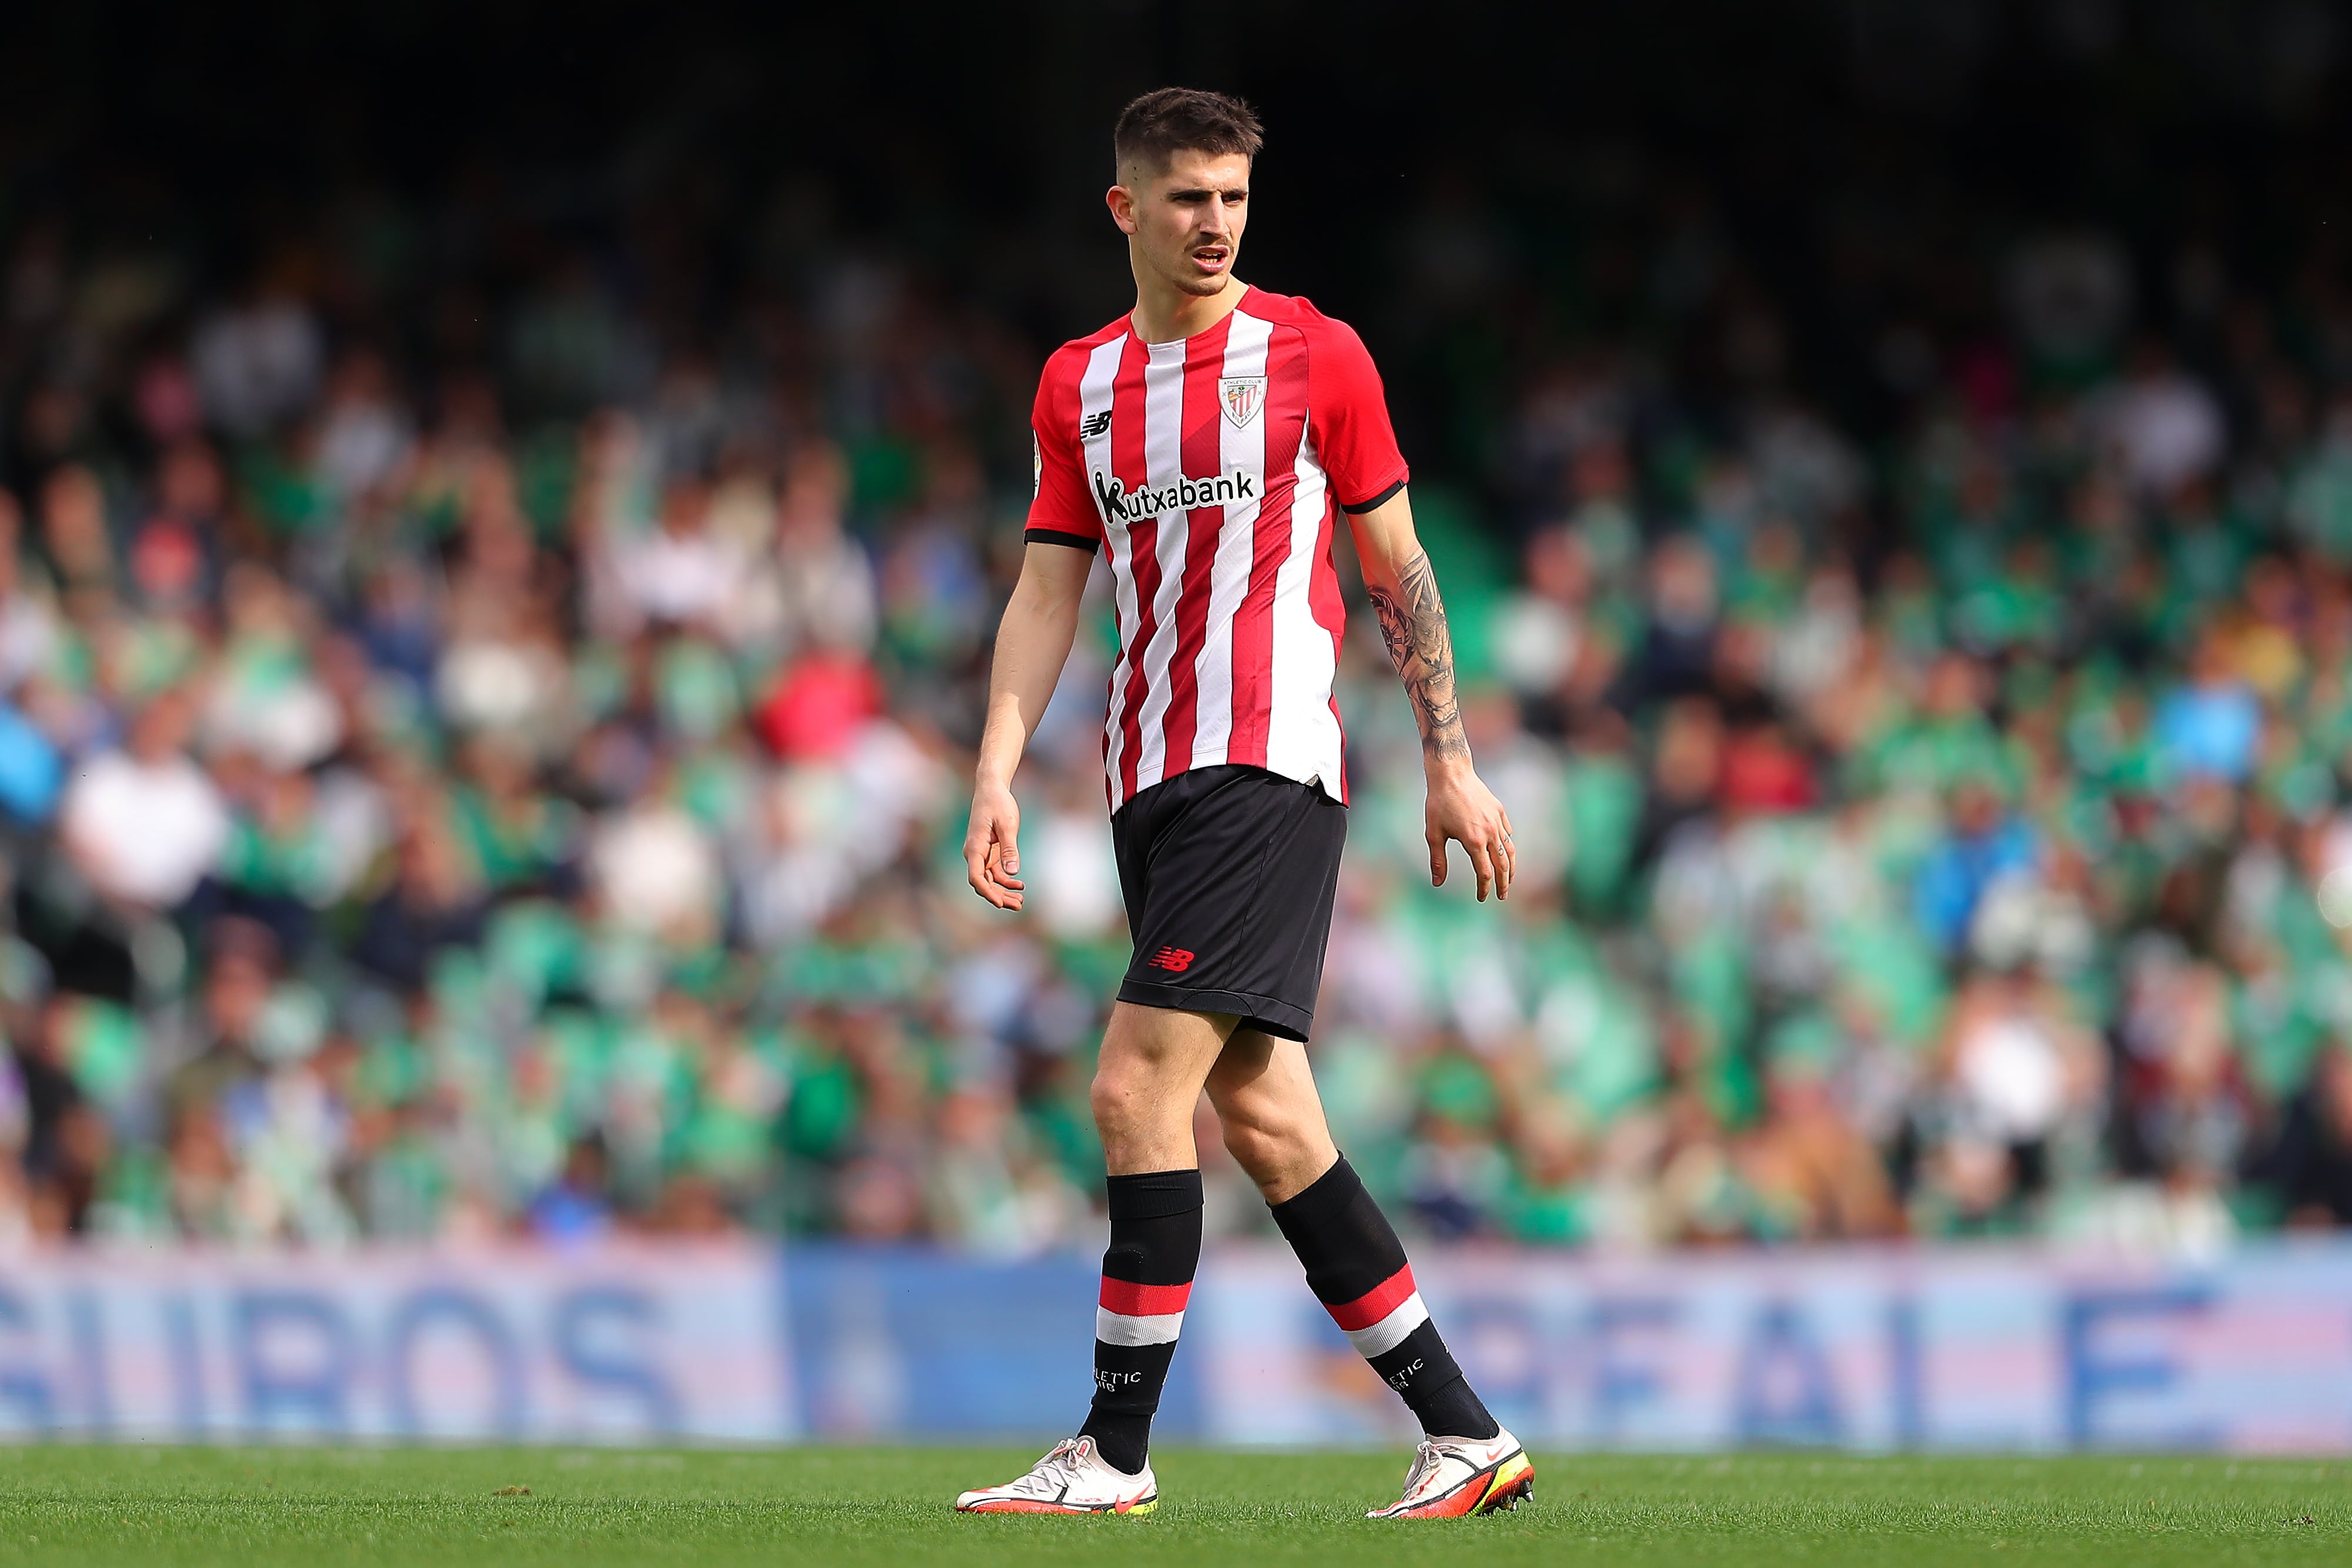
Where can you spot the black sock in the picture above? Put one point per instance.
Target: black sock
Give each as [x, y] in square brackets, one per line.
[1155, 1245]
[1357, 1268]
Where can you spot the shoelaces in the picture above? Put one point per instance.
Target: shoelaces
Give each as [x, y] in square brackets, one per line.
[1051, 1475]
[1426, 1460]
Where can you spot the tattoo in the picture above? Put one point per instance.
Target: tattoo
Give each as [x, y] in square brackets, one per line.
[1412, 623]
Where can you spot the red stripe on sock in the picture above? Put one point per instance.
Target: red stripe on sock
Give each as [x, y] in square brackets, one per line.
[1373, 1304]
[1143, 1300]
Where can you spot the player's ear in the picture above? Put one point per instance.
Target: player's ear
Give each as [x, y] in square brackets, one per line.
[1121, 202]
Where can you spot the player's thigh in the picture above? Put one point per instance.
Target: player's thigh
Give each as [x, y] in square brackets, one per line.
[1161, 1051]
[1263, 1087]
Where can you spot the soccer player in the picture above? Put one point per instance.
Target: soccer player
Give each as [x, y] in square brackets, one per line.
[1208, 441]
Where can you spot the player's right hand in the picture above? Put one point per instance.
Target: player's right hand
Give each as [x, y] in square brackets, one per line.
[992, 849]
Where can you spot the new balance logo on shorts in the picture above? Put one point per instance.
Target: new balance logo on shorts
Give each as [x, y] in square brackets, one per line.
[1175, 960]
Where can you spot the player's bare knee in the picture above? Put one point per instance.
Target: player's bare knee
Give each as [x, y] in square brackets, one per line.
[1127, 1099]
[1113, 1099]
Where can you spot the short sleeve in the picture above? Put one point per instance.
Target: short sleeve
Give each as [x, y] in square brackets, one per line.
[1348, 413]
[1061, 512]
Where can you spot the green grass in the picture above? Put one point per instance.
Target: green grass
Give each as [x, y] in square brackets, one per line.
[252, 1508]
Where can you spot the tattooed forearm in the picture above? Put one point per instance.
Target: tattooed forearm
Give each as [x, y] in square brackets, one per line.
[1412, 623]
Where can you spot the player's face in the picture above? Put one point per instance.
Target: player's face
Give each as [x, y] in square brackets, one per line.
[1186, 219]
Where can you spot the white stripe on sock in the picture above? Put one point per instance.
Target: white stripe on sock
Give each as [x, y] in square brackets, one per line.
[1156, 1328]
[1388, 1334]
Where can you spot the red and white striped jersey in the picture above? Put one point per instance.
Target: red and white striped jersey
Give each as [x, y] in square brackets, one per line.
[1213, 468]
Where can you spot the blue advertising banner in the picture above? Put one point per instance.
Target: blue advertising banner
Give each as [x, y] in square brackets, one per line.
[1868, 1348]
[617, 1344]
[737, 1343]
[1912, 1349]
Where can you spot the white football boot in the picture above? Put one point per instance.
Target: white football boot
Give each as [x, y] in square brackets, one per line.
[1072, 1479]
[1454, 1478]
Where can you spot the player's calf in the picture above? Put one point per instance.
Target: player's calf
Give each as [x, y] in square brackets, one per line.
[1357, 1268]
[1147, 1281]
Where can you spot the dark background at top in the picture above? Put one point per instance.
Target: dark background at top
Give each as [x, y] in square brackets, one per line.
[972, 139]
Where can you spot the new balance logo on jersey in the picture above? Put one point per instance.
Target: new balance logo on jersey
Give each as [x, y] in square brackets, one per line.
[1175, 960]
[1133, 505]
[1094, 424]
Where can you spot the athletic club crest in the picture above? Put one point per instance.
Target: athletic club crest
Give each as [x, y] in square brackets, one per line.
[1243, 397]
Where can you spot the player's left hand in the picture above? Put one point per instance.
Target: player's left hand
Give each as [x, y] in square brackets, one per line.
[1463, 809]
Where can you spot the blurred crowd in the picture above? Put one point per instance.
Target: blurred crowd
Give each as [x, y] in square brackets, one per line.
[487, 722]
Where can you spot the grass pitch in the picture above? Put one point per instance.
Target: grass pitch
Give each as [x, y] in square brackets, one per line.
[254, 1508]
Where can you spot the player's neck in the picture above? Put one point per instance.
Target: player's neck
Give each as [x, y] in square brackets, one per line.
[1163, 314]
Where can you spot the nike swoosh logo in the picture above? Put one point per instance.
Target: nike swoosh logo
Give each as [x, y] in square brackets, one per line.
[1472, 1478]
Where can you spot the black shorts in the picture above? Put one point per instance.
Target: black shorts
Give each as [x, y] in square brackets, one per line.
[1228, 873]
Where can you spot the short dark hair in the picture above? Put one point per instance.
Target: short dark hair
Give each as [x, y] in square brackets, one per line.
[1183, 119]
